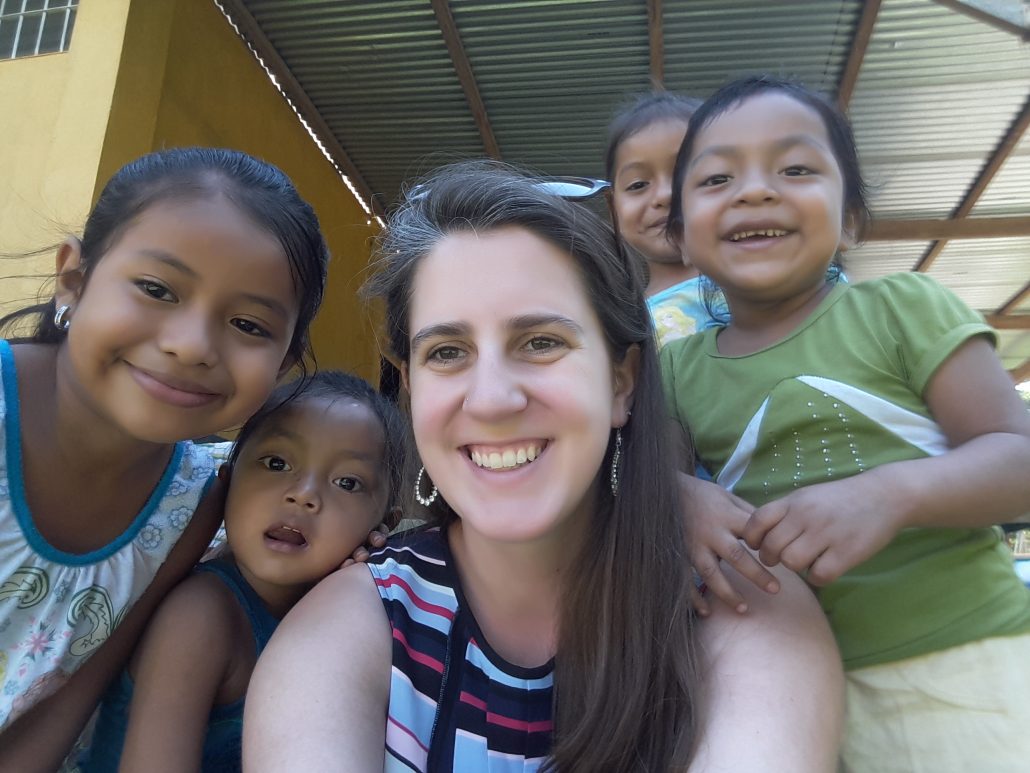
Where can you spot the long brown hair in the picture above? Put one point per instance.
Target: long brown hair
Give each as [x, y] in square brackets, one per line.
[626, 682]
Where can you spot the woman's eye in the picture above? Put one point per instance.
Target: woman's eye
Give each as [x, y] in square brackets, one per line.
[541, 344]
[797, 171]
[275, 463]
[348, 484]
[155, 290]
[445, 354]
[250, 328]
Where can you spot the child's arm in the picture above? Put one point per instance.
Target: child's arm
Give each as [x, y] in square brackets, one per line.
[775, 685]
[183, 659]
[984, 479]
[41, 738]
[320, 691]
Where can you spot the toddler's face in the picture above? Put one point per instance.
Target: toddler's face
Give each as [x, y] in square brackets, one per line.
[306, 490]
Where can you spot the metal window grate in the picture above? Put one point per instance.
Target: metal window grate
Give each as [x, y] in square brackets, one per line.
[32, 27]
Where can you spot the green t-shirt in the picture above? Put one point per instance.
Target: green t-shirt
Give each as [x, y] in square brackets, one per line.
[839, 395]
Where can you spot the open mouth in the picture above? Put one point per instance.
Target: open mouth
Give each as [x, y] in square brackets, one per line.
[507, 458]
[764, 233]
[286, 536]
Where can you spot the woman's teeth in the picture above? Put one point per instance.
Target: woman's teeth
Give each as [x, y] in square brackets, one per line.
[502, 460]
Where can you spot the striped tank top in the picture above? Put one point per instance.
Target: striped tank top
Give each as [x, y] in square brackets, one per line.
[455, 705]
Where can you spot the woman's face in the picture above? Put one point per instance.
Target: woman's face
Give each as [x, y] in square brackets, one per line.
[513, 391]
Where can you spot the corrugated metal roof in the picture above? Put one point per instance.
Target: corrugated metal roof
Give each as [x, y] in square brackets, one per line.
[936, 93]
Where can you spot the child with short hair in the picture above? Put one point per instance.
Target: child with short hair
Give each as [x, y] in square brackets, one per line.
[872, 425]
[309, 476]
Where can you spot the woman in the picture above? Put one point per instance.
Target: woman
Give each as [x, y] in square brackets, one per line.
[544, 622]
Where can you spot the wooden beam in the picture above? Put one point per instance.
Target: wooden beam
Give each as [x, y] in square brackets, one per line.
[1009, 321]
[251, 32]
[1004, 148]
[1021, 373]
[463, 69]
[859, 44]
[986, 17]
[656, 38]
[964, 228]
[1010, 305]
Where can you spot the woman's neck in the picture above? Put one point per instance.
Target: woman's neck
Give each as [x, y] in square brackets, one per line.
[756, 325]
[662, 276]
[514, 591]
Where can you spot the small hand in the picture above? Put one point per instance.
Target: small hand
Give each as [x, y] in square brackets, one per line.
[716, 523]
[376, 539]
[825, 529]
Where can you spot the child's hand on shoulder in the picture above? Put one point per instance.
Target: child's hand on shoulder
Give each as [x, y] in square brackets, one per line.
[716, 528]
[376, 539]
[826, 529]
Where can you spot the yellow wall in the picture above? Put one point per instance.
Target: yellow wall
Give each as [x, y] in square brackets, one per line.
[142, 75]
[187, 79]
[53, 122]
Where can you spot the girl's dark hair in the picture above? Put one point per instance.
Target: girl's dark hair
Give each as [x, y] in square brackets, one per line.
[842, 142]
[258, 189]
[335, 385]
[643, 111]
[626, 682]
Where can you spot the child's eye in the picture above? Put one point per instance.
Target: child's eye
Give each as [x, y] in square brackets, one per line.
[636, 185]
[250, 328]
[713, 180]
[155, 290]
[797, 171]
[349, 484]
[275, 463]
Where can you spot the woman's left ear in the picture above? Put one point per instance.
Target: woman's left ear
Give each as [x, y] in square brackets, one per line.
[847, 234]
[625, 374]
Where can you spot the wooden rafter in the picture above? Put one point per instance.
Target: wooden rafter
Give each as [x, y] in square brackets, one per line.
[463, 69]
[976, 190]
[986, 17]
[859, 44]
[943, 230]
[1009, 321]
[251, 32]
[1010, 305]
[656, 38]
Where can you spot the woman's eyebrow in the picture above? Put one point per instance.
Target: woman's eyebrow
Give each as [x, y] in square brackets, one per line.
[528, 321]
[441, 330]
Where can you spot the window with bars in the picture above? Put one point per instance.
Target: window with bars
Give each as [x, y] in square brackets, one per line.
[31, 27]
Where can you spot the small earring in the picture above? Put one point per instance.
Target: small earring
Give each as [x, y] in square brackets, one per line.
[424, 501]
[61, 322]
[616, 455]
[60, 317]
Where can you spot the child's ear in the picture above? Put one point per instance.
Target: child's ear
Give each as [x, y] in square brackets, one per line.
[70, 273]
[848, 234]
[225, 474]
[404, 377]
